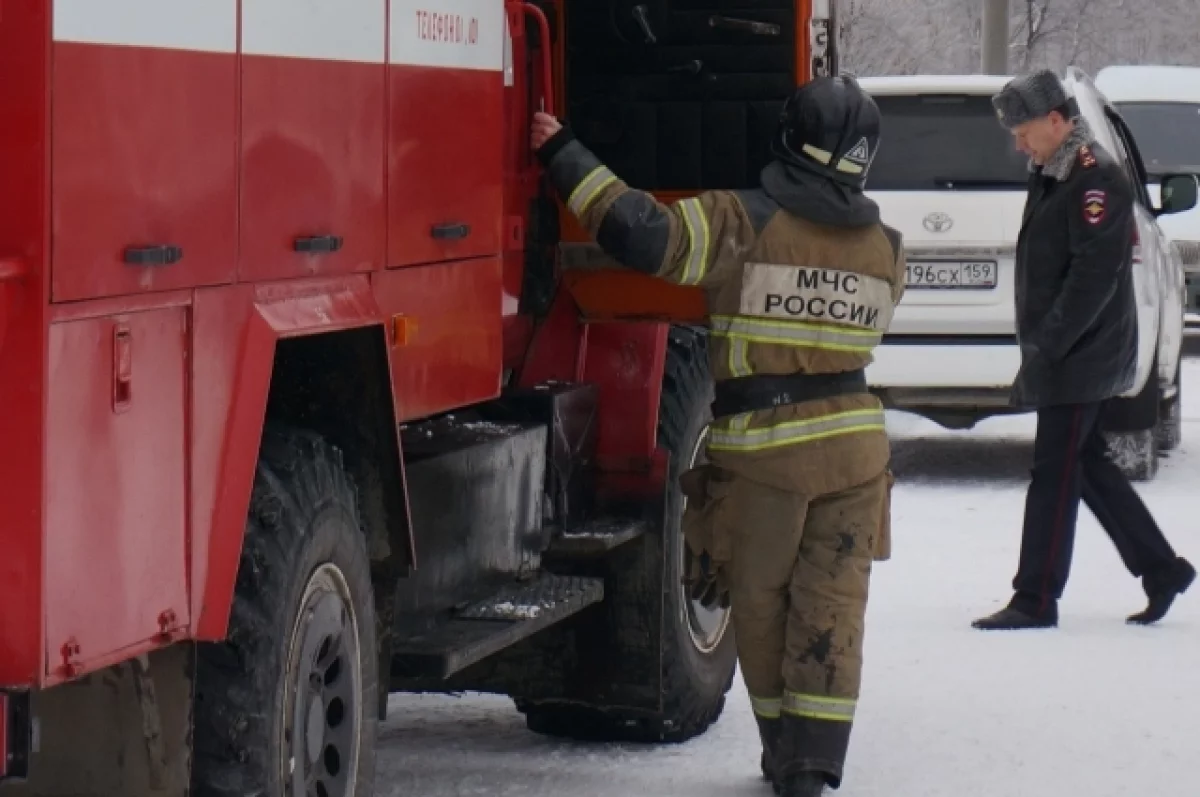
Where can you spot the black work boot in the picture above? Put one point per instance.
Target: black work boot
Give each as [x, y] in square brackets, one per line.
[1162, 587]
[1010, 619]
[768, 731]
[803, 784]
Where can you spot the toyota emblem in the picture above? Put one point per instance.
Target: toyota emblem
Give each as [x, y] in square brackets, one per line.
[938, 222]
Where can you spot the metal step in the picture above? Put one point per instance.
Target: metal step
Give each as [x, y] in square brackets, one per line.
[493, 624]
[596, 537]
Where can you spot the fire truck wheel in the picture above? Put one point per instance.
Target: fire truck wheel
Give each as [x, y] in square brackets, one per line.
[286, 704]
[699, 656]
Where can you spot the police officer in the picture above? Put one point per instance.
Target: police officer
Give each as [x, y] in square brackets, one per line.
[801, 281]
[1077, 327]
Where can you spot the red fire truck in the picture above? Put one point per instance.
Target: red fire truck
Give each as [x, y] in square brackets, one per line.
[297, 404]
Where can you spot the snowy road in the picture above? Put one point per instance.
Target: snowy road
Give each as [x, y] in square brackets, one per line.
[1094, 708]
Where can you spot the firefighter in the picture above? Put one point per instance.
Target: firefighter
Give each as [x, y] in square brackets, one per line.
[785, 521]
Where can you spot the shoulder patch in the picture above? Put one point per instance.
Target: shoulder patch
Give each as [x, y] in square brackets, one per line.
[759, 207]
[1087, 159]
[1095, 205]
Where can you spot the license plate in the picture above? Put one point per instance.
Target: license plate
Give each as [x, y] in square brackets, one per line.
[971, 275]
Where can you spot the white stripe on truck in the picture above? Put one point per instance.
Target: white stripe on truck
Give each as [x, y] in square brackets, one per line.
[448, 34]
[200, 25]
[326, 30]
[452, 34]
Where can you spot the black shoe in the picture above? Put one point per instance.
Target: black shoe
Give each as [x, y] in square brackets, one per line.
[1162, 587]
[803, 784]
[1010, 619]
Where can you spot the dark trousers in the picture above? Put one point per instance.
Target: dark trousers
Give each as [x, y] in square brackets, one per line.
[1070, 461]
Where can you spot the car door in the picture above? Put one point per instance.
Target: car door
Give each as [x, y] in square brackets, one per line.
[1147, 277]
[1172, 282]
[1149, 283]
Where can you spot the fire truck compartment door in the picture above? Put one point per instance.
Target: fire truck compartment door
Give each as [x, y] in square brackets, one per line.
[144, 132]
[445, 148]
[313, 117]
[116, 486]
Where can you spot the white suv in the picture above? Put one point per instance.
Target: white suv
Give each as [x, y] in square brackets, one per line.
[948, 177]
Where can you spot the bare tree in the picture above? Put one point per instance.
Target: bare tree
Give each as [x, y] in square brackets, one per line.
[942, 36]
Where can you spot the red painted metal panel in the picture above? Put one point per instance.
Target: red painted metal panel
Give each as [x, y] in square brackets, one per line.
[520, 185]
[116, 487]
[144, 151]
[454, 355]
[24, 231]
[626, 361]
[232, 351]
[234, 334]
[293, 309]
[556, 349]
[313, 165]
[445, 163]
[117, 305]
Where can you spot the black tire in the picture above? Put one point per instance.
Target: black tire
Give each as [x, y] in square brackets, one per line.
[695, 678]
[1170, 415]
[302, 612]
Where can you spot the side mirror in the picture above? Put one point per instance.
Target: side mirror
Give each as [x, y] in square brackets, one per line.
[1179, 193]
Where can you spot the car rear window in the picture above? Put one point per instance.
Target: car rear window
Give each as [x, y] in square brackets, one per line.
[944, 142]
[1167, 134]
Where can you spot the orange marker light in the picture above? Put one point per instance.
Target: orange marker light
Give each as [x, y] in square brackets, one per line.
[404, 329]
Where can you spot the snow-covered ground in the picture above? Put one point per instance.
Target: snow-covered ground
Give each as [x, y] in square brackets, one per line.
[1095, 708]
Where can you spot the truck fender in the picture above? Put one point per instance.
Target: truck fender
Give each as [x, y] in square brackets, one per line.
[290, 331]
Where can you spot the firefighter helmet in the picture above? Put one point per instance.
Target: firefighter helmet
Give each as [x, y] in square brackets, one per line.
[829, 126]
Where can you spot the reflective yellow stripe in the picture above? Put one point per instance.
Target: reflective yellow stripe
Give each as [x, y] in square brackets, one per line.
[822, 155]
[697, 227]
[817, 707]
[766, 707]
[794, 333]
[790, 432]
[738, 364]
[589, 188]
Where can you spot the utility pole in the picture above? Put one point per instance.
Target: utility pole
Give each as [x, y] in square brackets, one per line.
[994, 37]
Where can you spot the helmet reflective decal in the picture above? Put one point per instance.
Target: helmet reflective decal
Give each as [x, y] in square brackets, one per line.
[860, 153]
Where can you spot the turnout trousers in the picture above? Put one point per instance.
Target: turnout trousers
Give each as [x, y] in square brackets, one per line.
[798, 576]
[1070, 462]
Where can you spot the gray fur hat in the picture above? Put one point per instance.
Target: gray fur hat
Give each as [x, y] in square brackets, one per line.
[1031, 97]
